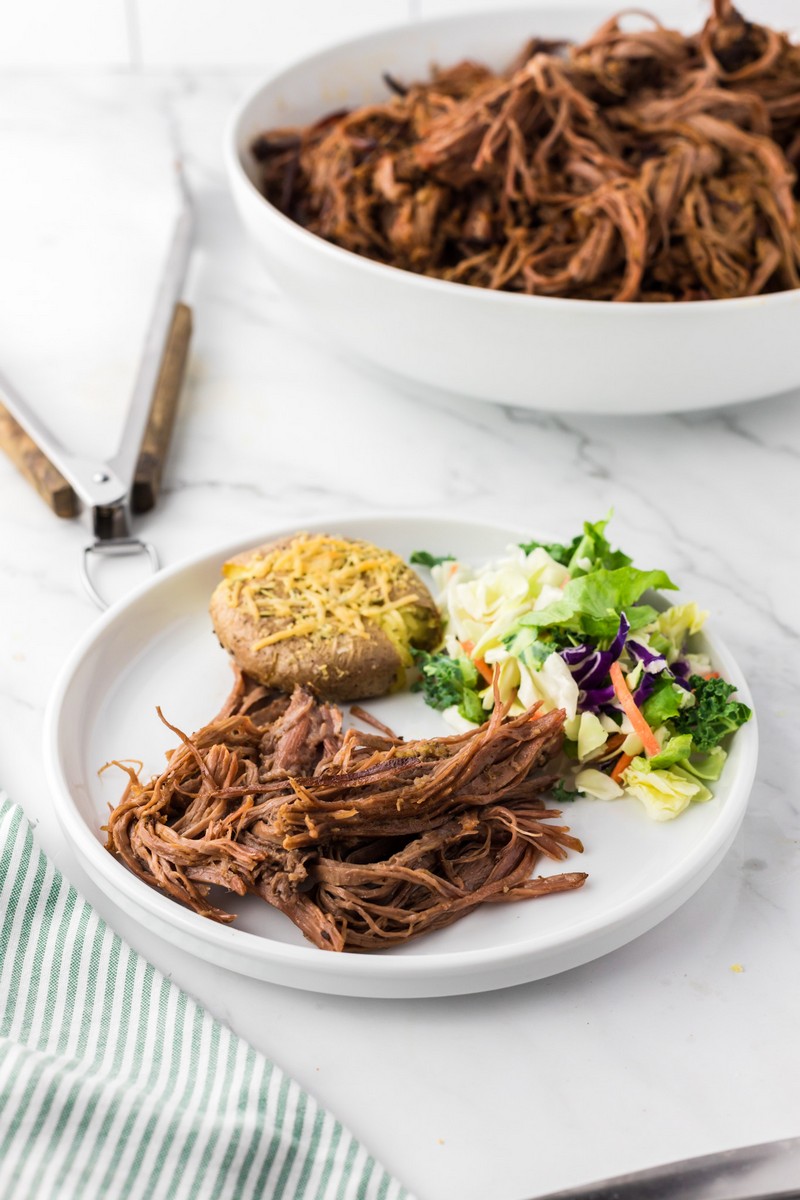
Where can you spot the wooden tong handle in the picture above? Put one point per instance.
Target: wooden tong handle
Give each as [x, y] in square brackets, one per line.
[51, 484]
[37, 469]
[160, 422]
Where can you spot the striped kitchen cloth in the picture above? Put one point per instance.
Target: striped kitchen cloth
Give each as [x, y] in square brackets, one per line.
[116, 1084]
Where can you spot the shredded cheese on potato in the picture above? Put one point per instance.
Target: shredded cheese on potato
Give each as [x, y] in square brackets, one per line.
[320, 586]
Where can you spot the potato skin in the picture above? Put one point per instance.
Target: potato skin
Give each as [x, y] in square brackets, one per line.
[342, 667]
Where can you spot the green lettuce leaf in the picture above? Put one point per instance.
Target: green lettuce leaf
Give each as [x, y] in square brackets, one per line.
[591, 546]
[556, 550]
[421, 558]
[594, 546]
[525, 645]
[664, 703]
[591, 604]
[673, 751]
[706, 766]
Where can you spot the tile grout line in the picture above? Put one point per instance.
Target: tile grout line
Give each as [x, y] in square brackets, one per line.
[134, 35]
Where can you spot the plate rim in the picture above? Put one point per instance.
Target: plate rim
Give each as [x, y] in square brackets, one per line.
[353, 969]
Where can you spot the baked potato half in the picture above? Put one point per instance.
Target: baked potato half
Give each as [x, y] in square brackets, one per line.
[333, 613]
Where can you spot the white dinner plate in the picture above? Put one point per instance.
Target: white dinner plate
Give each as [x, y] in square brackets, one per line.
[157, 648]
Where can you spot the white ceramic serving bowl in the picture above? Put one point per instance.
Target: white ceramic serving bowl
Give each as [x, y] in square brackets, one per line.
[530, 351]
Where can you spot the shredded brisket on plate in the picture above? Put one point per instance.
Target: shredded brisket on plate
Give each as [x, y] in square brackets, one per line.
[364, 840]
[640, 165]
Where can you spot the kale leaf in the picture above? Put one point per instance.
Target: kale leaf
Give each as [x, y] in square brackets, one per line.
[445, 681]
[713, 716]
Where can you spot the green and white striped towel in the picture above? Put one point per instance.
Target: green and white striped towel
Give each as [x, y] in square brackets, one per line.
[115, 1084]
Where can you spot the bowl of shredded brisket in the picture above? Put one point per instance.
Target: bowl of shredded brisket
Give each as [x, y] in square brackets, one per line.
[558, 209]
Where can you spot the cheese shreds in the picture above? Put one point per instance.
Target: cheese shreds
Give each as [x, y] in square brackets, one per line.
[283, 634]
[319, 586]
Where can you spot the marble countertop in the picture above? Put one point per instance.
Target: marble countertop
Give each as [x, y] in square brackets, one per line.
[658, 1051]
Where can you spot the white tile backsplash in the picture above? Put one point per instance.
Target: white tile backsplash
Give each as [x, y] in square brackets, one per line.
[64, 33]
[200, 33]
[446, 8]
[164, 34]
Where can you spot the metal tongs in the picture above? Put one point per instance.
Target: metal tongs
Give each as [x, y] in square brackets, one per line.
[769, 1171]
[107, 494]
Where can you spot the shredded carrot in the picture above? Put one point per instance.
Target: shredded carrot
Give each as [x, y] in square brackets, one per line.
[633, 714]
[712, 675]
[483, 667]
[620, 766]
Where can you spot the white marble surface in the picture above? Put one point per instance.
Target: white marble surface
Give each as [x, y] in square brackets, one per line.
[656, 1052]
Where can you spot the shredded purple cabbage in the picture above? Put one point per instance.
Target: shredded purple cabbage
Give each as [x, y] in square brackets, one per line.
[653, 662]
[595, 699]
[590, 666]
[644, 690]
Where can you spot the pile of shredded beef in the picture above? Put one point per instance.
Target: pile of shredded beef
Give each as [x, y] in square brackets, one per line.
[641, 165]
[362, 839]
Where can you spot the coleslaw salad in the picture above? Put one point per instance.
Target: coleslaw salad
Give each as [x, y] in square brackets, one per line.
[569, 626]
